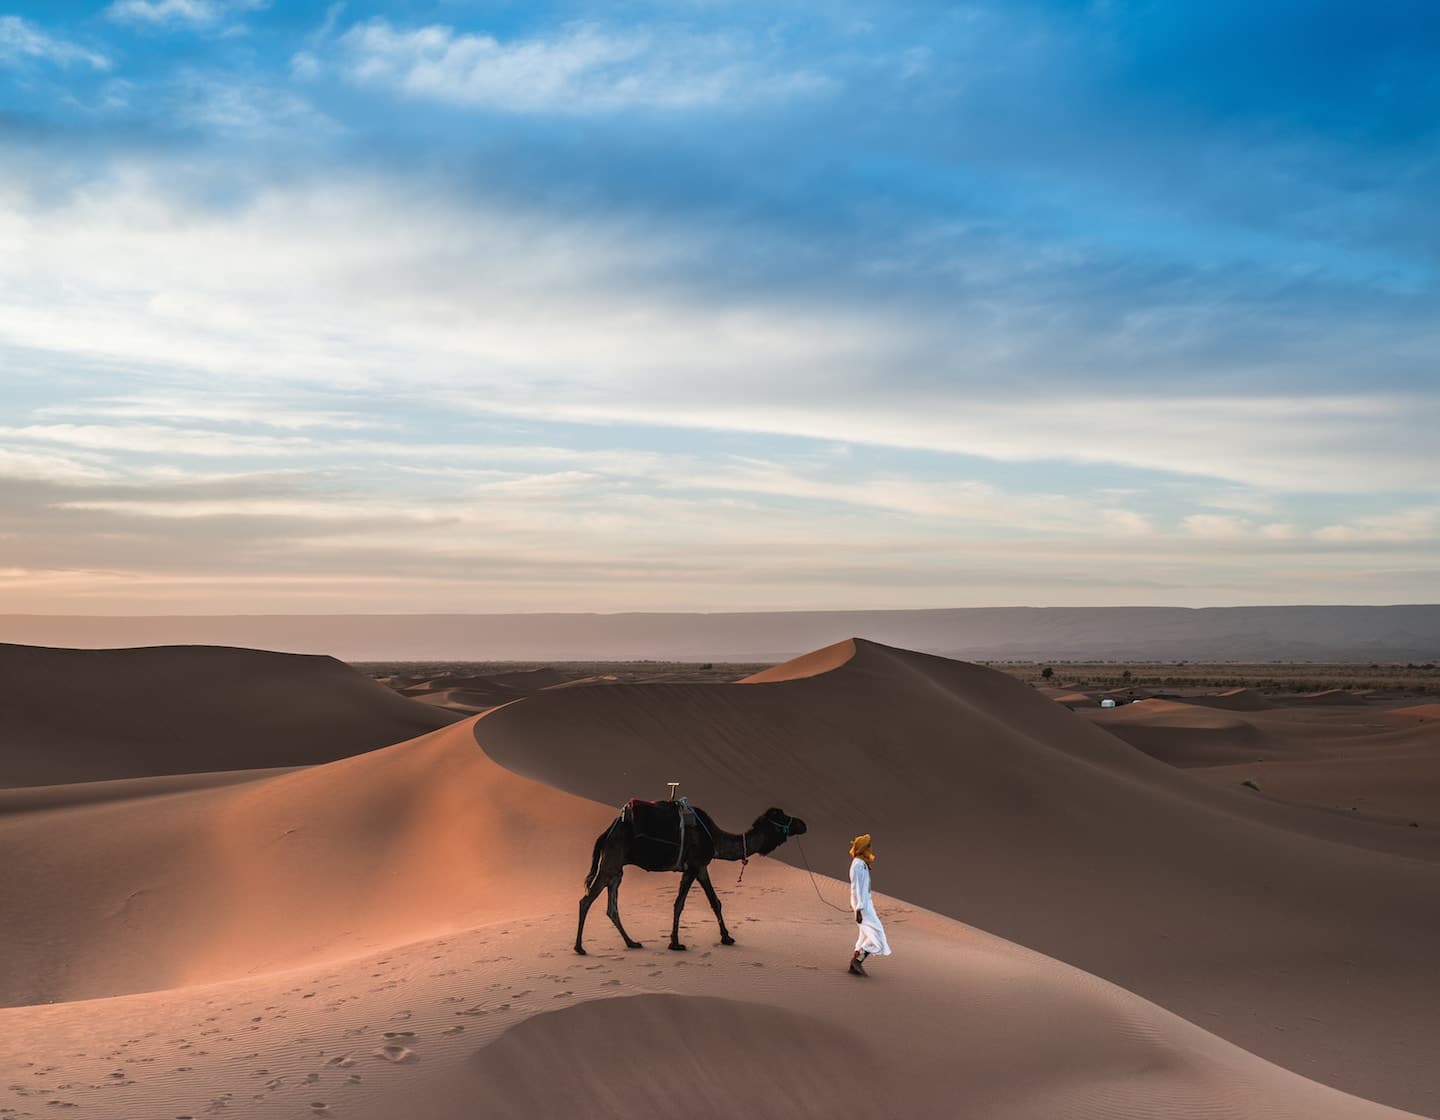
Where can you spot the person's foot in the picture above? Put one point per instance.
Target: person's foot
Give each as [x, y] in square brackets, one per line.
[856, 968]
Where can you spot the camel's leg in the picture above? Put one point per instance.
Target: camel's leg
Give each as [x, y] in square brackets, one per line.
[613, 909]
[704, 876]
[596, 886]
[685, 880]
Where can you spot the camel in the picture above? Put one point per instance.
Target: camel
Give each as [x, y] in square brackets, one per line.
[649, 846]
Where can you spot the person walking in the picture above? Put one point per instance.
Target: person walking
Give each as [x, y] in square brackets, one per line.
[871, 940]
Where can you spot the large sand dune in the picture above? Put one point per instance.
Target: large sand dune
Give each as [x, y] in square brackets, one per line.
[993, 804]
[388, 935]
[69, 715]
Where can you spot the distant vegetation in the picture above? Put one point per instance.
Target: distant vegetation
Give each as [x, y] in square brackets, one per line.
[1420, 679]
[1423, 679]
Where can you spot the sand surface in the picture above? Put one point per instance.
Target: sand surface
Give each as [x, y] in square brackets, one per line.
[388, 934]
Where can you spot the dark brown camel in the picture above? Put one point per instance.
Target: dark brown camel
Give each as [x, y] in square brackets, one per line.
[657, 844]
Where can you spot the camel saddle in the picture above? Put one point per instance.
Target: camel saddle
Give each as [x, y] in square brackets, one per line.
[661, 823]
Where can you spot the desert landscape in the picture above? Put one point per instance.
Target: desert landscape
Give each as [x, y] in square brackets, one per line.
[953, 487]
[258, 884]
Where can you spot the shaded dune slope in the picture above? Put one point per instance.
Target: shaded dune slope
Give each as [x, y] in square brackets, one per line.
[1184, 734]
[1381, 766]
[995, 805]
[91, 715]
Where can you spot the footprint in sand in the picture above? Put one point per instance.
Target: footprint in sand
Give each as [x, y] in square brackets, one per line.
[453, 1030]
[399, 1034]
[319, 1108]
[341, 1061]
[399, 1055]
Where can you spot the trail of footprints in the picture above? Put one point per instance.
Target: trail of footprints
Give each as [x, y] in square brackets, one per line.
[341, 1057]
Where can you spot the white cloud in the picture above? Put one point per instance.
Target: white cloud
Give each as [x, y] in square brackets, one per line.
[215, 408]
[503, 310]
[1404, 526]
[220, 107]
[304, 66]
[20, 39]
[1217, 526]
[155, 439]
[307, 510]
[176, 12]
[38, 466]
[581, 69]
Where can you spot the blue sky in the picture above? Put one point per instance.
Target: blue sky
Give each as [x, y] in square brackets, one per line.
[717, 305]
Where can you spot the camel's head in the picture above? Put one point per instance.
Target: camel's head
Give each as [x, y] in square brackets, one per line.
[775, 827]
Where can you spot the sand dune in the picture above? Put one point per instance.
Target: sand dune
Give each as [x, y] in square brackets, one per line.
[1379, 766]
[1185, 734]
[388, 934]
[1234, 700]
[500, 1019]
[998, 806]
[89, 715]
[1330, 696]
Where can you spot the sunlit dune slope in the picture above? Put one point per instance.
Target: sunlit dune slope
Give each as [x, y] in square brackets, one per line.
[130, 893]
[89, 715]
[993, 804]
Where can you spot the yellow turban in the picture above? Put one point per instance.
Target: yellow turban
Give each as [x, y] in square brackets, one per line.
[860, 848]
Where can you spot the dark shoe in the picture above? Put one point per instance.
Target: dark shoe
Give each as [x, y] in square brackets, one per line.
[856, 968]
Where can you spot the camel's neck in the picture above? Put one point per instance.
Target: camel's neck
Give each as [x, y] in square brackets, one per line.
[735, 846]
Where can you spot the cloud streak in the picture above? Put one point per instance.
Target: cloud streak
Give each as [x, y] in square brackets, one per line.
[581, 69]
[180, 13]
[22, 41]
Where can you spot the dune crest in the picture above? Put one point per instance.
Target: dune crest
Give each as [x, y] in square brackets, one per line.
[821, 661]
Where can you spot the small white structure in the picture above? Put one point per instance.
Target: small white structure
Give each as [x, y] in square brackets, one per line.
[1107, 703]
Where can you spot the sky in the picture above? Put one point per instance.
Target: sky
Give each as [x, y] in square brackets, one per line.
[717, 305]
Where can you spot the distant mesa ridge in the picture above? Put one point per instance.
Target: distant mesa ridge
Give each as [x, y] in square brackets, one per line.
[1289, 633]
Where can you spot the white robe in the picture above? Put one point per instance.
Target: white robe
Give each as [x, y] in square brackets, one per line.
[871, 937]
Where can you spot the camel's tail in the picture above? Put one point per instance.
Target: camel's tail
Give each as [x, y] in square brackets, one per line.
[595, 855]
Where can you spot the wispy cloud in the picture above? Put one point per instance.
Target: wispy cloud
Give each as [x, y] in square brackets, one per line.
[193, 13]
[580, 69]
[1418, 524]
[21, 40]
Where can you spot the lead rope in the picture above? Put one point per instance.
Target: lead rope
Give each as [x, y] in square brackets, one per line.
[744, 860]
[813, 883]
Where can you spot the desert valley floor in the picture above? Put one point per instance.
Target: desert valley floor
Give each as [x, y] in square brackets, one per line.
[253, 884]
